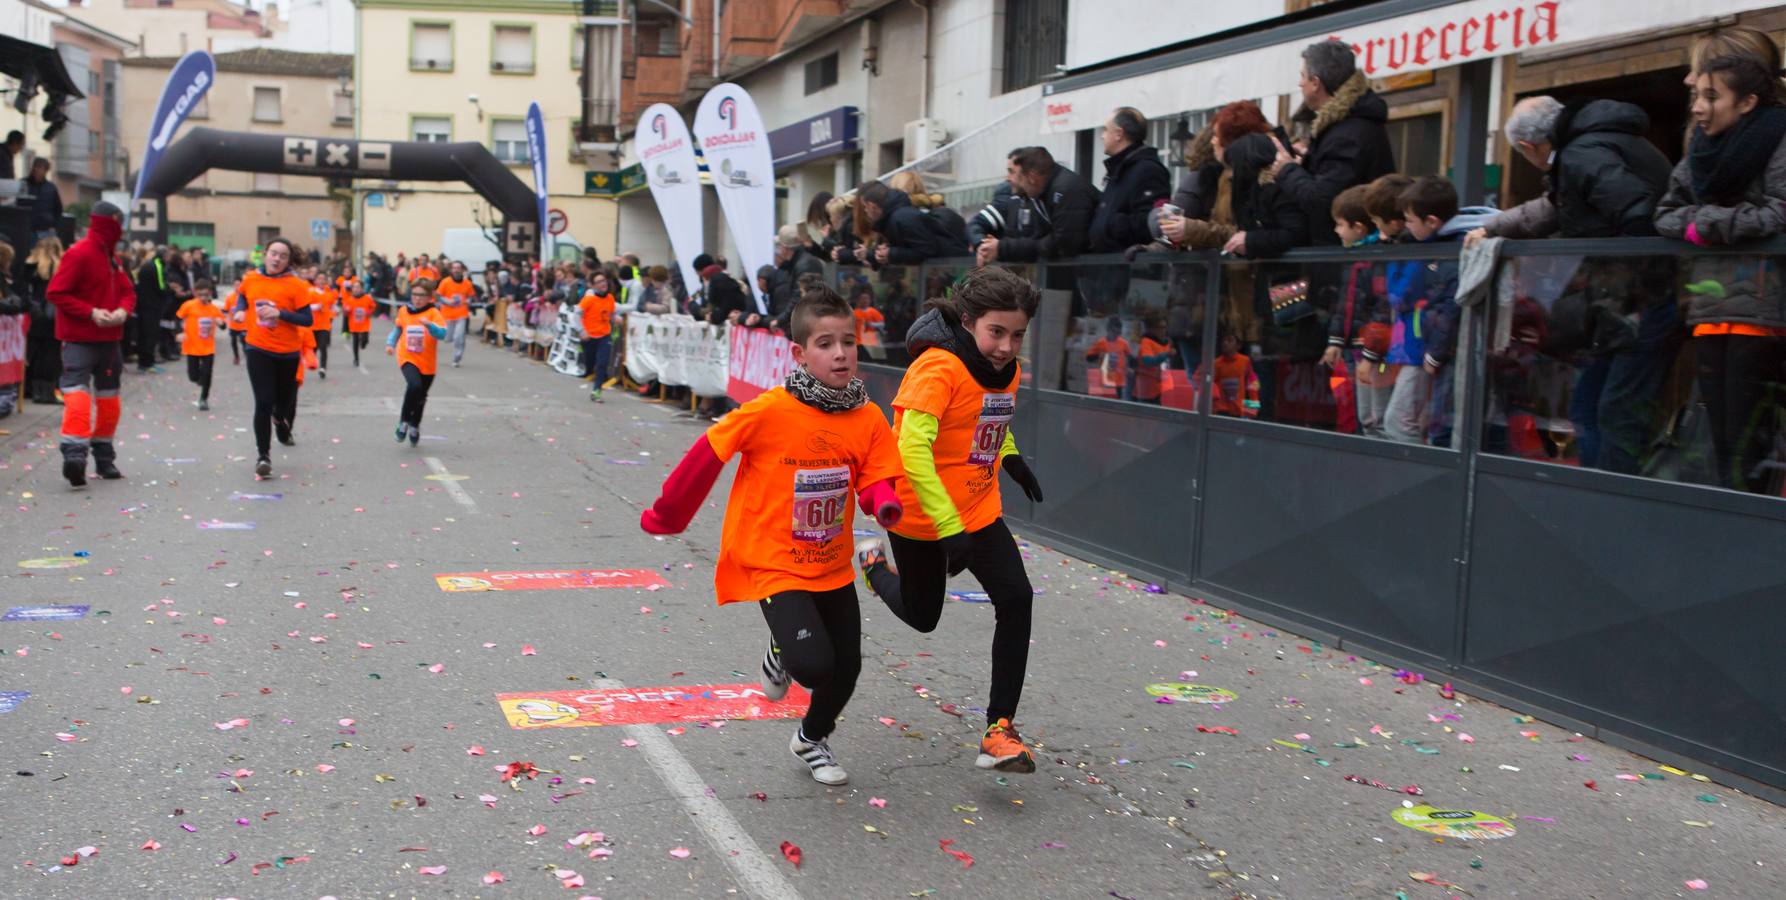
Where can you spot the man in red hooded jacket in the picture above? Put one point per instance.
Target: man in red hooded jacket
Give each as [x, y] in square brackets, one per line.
[93, 298]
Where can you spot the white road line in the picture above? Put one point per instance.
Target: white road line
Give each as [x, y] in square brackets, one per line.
[755, 872]
[452, 487]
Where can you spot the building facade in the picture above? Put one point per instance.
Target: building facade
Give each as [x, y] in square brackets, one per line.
[177, 27]
[467, 70]
[264, 91]
[89, 153]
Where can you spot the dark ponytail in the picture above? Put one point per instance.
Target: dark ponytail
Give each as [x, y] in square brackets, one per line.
[1745, 75]
[987, 289]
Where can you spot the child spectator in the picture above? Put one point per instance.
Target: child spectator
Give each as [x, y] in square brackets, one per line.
[870, 323]
[1382, 200]
[1156, 350]
[1235, 388]
[1353, 339]
[1429, 209]
[201, 320]
[1109, 357]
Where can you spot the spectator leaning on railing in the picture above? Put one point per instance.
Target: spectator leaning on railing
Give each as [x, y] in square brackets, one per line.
[1063, 205]
[1349, 142]
[1204, 198]
[907, 235]
[1010, 214]
[1134, 179]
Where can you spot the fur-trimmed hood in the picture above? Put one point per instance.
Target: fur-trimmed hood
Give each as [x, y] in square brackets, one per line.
[1201, 151]
[1355, 97]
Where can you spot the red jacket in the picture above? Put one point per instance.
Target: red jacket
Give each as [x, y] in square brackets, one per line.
[88, 279]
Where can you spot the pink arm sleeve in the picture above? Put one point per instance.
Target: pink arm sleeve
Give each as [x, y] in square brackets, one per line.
[684, 490]
[881, 501]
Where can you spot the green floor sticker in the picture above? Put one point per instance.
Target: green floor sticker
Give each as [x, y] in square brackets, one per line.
[1463, 824]
[1191, 693]
[53, 562]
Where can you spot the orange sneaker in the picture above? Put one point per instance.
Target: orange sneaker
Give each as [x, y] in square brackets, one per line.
[1002, 749]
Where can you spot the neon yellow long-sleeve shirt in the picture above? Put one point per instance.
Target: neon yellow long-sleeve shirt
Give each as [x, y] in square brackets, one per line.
[917, 449]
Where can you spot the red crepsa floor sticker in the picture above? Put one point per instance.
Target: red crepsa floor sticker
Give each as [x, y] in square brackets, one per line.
[650, 705]
[553, 580]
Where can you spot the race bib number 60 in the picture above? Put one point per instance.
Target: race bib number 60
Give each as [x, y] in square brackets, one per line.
[989, 432]
[821, 497]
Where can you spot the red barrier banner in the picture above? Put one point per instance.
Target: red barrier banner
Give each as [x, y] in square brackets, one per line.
[650, 705]
[557, 580]
[12, 348]
[759, 360]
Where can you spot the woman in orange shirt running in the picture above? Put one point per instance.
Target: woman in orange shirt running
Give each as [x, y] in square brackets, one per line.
[420, 329]
[805, 446]
[277, 303]
[952, 416]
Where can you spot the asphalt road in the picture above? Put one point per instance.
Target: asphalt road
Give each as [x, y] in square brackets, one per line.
[289, 705]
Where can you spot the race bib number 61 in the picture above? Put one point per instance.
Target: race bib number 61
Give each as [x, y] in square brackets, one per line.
[989, 432]
[821, 497]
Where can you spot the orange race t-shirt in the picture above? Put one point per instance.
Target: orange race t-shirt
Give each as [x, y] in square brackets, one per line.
[454, 298]
[971, 426]
[598, 314]
[788, 518]
[866, 336]
[414, 343]
[1115, 351]
[359, 312]
[201, 321]
[238, 320]
[287, 293]
[420, 272]
[1147, 377]
[322, 308]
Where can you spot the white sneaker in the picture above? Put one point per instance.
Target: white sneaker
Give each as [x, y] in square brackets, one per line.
[775, 677]
[817, 757]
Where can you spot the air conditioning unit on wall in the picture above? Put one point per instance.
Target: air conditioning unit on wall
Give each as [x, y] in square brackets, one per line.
[924, 137]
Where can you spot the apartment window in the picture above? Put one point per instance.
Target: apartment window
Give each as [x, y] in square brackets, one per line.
[508, 140]
[1035, 40]
[266, 104]
[265, 234]
[431, 46]
[821, 73]
[1418, 141]
[193, 234]
[659, 37]
[511, 49]
[431, 129]
[109, 170]
[266, 182]
[343, 107]
[576, 48]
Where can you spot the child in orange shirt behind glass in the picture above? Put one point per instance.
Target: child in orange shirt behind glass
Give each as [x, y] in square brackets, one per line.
[805, 446]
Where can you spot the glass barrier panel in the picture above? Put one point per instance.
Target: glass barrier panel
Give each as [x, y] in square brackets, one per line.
[886, 304]
[1121, 331]
[1663, 367]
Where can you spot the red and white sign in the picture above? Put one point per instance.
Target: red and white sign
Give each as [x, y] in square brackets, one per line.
[12, 348]
[759, 360]
[652, 705]
[557, 221]
[1435, 38]
[554, 580]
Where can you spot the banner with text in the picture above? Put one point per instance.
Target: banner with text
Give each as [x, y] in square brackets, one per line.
[677, 351]
[650, 705]
[12, 348]
[759, 360]
[737, 150]
[667, 154]
[188, 81]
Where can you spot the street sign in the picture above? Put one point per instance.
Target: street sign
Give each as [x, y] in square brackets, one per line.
[320, 229]
[557, 221]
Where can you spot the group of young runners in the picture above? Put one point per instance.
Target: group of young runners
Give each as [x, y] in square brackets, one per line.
[932, 480]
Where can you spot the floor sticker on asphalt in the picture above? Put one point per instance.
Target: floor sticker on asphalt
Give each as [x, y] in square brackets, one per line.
[45, 613]
[10, 700]
[558, 580]
[217, 525]
[241, 496]
[1191, 693]
[1463, 824]
[53, 562]
[650, 705]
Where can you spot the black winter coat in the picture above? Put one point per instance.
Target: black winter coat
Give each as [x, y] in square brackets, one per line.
[1607, 176]
[1133, 181]
[724, 297]
[1009, 215]
[1270, 216]
[1350, 146]
[1063, 221]
[911, 236]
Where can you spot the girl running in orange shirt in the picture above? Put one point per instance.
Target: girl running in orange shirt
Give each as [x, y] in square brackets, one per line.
[322, 312]
[358, 308]
[201, 321]
[805, 445]
[417, 335]
[277, 302]
[953, 416]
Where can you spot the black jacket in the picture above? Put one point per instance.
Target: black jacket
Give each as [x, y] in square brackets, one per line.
[151, 295]
[911, 236]
[46, 204]
[1133, 180]
[1607, 176]
[724, 297]
[1063, 214]
[1350, 146]
[1272, 219]
[1009, 215]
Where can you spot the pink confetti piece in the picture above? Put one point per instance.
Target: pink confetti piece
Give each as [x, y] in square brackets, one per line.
[363, 645]
[432, 870]
[1466, 738]
[488, 800]
[474, 750]
[680, 852]
[1159, 643]
[65, 737]
[574, 881]
[629, 742]
[1697, 884]
[877, 802]
[537, 830]
[151, 845]
[494, 877]
[324, 768]
[437, 668]
[125, 690]
[1365, 681]
[344, 723]
[231, 724]
[677, 730]
[527, 650]
[1300, 737]
[600, 853]
[219, 620]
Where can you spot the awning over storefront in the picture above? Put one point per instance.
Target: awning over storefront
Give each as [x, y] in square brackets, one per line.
[1432, 36]
[823, 135]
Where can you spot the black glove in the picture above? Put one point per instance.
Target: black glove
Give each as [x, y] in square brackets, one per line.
[958, 551]
[1020, 473]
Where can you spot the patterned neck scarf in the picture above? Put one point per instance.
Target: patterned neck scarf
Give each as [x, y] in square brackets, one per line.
[820, 396]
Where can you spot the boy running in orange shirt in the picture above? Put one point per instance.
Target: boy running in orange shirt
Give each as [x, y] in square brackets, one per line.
[358, 308]
[805, 446]
[953, 417]
[420, 328]
[455, 294]
[201, 321]
[597, 307]
[322, 318]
